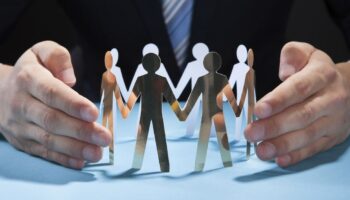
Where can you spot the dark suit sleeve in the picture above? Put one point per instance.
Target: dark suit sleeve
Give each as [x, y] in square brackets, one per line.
[10, 10]
[340, 11]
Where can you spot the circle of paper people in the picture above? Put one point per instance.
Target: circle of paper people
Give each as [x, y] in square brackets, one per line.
[151, 83]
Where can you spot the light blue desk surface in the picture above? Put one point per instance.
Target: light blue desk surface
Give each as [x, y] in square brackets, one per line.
[325, 176]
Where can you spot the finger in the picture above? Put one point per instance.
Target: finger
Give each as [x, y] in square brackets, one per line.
[40, 83]
[291, 119]
[41, 151]
[56, 59]
[316, 75]
[292, 141]
[57, 122]
[61, 144]
[294, 57]
[324, 143]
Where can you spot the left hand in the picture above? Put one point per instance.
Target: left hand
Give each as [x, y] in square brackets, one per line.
[308, 113]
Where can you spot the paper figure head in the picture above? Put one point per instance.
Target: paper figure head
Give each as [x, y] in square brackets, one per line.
[115, 56]
[108, 60]
[199, 51]
[242, 53]
[150, 48]
[212, 62]
[151, 62]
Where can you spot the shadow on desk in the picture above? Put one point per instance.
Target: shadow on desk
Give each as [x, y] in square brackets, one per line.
[329, 156]
[16, 165]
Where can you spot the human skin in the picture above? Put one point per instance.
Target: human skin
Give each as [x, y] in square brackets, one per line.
[308, 112]
[42, 115]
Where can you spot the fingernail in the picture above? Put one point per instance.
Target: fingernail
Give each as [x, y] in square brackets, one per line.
[89, 154]
[284, 161]
[67, 76]
[266, 151]
[263, 110]
[255, 132]
[88, 114]
[98, 139]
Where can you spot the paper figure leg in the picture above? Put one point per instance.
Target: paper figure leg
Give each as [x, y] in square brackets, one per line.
[221, 133]
[203, 141]
[111, 145]
[162, 149]
[108, 120]
[142, 135]
[192, 119]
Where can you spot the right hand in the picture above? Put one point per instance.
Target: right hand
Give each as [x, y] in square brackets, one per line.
[42, 115]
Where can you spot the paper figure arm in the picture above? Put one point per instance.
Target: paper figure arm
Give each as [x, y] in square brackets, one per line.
[185, 78]
[140, 71]
[192, 99]
[121, 83]
[163, 72]
[237, 109]
[175, 106]
[132, 99]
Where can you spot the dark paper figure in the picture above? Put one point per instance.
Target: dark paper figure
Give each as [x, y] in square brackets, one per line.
[151, 87]
[249, 88]
[212, 87]
[109, 88]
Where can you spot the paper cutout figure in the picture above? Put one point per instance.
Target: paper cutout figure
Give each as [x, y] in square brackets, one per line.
[238, 76]
[118, 73]
[109, 88]
[249, 87]
[140, 71]
[151, 87]
[212, 87]
[192, 72]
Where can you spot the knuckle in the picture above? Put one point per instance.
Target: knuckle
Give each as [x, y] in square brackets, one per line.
[24, 77]
[48, 93]
[329, 73]
[307, 113]
[44, 153]
[302, 87]
[48, 120]
[45, 139]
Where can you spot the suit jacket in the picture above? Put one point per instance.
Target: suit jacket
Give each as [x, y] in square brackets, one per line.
[222, 24]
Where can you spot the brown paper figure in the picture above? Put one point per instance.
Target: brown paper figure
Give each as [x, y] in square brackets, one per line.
[212, 87]
[109, 88]
[151, 87]
[249, 87]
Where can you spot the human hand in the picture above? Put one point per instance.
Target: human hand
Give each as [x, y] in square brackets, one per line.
[308, 113]
[42, 115]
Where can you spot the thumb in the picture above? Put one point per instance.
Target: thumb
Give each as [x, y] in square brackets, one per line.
[294, 57]
[57, 60]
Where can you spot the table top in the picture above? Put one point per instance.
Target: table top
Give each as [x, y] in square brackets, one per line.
[324, 176]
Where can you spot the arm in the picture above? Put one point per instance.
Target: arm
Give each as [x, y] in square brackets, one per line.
[132, 99]
[162, 72]
[119, 100]
[121, 83]
[185, 78]
[237, 109]
[175, 106]
[192, 99]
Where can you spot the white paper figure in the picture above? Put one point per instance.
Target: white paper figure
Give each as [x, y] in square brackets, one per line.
[150, 48]
[192, 72]
[237, 77]
[118, 74]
